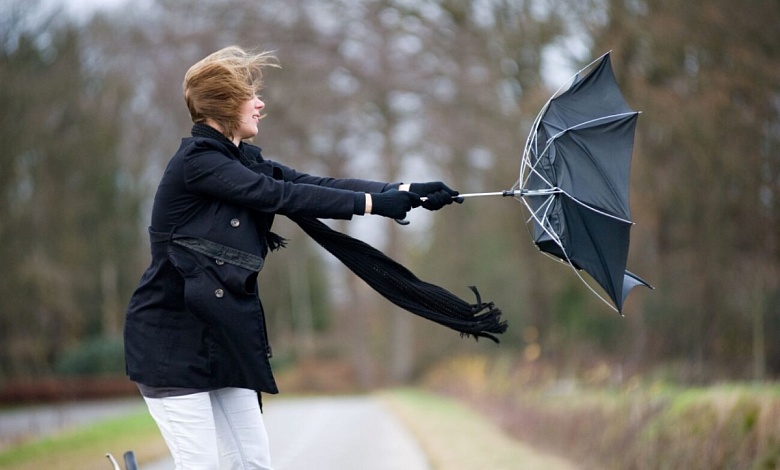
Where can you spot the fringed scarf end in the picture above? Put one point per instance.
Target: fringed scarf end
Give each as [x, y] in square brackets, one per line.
[489, 321]
[275, 241]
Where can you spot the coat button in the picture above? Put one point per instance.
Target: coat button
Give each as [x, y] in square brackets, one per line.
[235, 223]
[219, 293]
[219, 262]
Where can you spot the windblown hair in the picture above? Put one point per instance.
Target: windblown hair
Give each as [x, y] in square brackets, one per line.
[218, 85]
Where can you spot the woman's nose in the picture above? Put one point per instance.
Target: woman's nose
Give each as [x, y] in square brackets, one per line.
[259, 104]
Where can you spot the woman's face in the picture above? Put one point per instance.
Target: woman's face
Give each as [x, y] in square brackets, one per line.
[249, 113]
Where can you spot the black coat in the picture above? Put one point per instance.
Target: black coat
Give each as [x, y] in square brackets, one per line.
[195, 319]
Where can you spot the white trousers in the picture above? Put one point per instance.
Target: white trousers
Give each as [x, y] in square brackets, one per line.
[204, 430]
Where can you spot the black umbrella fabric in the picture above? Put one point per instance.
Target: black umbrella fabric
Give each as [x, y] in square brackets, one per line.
[574, 179]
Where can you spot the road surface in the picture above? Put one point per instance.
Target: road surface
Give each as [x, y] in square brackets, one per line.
[334, 433]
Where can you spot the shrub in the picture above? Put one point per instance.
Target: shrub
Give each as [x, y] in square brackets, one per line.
[97, 356]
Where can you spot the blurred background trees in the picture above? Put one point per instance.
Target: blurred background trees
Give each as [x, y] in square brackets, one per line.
[401, 91]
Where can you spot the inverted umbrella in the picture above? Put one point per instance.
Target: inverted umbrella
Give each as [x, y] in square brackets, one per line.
[574, 178]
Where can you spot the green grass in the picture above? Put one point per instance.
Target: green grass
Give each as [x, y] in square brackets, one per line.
[654, 425]
[85, 448]
[457, 438]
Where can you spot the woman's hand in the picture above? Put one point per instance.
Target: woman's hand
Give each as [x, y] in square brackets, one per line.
[393, 203]
[437, 194]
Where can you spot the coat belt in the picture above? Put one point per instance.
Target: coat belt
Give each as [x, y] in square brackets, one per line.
[211, 249]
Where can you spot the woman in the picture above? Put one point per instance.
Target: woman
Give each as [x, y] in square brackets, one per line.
[195, 336]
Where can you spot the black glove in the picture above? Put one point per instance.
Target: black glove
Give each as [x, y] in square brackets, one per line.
[394, 203]
[437, 193]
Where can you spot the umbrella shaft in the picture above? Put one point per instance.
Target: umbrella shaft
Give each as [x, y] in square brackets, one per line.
[515, 192]
[510, 193]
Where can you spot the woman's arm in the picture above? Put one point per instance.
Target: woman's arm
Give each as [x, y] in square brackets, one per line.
[351, 184]
[209, 171]
[286, 173]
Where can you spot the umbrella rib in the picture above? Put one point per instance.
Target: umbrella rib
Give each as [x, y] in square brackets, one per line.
[611, 117]
[544, 208]
[531, 169]
[532, 138]
[541, 220]
[598, 211]
[569, 82]
[609, 304]
[555, 238]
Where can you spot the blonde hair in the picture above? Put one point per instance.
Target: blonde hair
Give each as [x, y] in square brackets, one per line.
[218, 85]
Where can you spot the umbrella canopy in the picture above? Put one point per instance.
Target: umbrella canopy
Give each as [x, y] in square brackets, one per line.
[574, 179]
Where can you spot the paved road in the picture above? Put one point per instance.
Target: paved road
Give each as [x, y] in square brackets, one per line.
[335, 433]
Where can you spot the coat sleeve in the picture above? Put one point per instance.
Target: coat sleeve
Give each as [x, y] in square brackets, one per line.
[294, 176]
[351, 184]
[210, 172]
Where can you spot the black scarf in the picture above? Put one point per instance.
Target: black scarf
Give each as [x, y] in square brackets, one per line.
[392, 280]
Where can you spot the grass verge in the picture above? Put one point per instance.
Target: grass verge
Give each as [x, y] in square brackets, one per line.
[635, 424]
[85, 448]
[456, 438]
